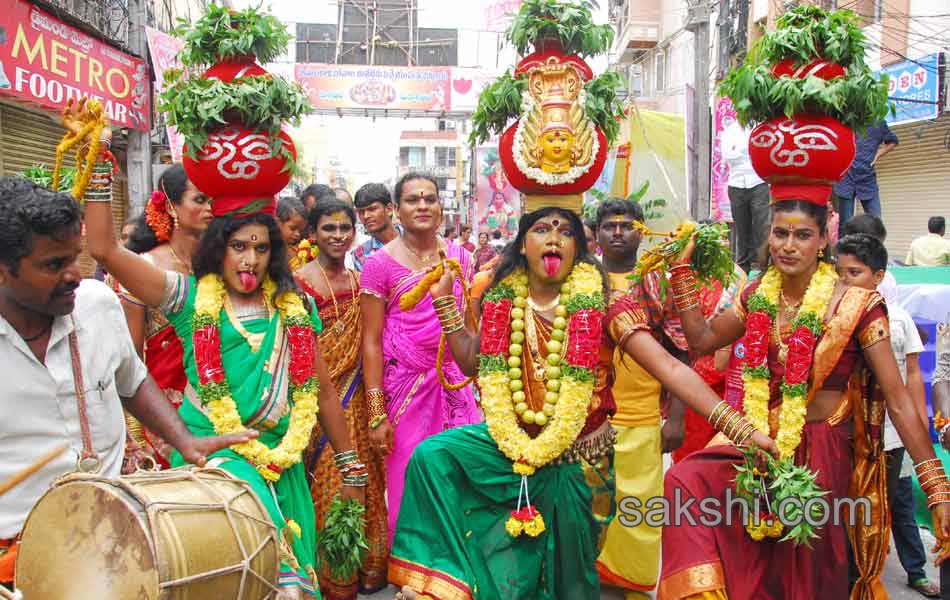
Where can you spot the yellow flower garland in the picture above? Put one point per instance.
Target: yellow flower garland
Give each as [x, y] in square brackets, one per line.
[756, 402]
[223, 412]
[570, 412]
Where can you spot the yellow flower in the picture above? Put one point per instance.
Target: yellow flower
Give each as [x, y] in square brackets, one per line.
[570, 413]
[292, 525]
[223, 412]
[514, 527]
[535, 526]
[756, 402]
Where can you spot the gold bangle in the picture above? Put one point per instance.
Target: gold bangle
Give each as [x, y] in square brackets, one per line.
[721, 405]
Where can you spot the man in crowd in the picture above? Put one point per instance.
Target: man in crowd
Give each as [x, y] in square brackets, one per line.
[931, 250]
[465, 238]
[748, 196]
[860, 183]
[68, 360]
[631, 554]
[374, 208]
[497, 242]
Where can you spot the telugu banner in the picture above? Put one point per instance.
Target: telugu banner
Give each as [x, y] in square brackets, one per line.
[45, 61]
[376, 87]
[165, 50]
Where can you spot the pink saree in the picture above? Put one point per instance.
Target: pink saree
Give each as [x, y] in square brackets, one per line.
[417, 405]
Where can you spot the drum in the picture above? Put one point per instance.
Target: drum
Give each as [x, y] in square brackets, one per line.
[181, 534]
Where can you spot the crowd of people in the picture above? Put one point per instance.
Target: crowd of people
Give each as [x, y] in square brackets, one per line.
[500, 408]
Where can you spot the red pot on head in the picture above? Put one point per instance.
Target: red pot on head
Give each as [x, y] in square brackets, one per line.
[524, 184]
[237, 161]
[802, 157]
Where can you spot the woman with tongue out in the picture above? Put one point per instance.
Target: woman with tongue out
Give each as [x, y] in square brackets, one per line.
[516, 507]
[252, 360]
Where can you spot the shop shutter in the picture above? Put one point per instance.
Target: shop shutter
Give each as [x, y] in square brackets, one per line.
[29, 138]
[914, 180]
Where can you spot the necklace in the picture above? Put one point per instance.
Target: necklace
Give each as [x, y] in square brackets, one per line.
[185, 265]
[254, 340]
[42, 332]
[790, 309]
[338, 325]
[422, 259]
[546, 307]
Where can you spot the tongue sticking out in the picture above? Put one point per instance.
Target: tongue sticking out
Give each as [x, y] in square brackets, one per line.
[552, 263]
[248, 281]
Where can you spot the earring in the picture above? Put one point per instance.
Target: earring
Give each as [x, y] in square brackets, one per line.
[821, 253]
[174, 220]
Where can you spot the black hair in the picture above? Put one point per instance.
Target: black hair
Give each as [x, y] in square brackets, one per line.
[867, 224]
[866, 248]
[317, 190]
[209, 256]
[937, 225]
[511, 257]
[618, 206]
[496, 235]
[483, 233]
[817, 212]
[27, 209]
[287, 206]
[397, 191]
[465, 227]
[173, 183]
[370, 193]
[329, 207]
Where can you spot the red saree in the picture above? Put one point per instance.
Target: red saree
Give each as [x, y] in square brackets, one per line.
[845, 452]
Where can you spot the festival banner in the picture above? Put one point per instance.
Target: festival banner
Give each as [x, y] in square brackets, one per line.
[45, 61]
[720, 210]
[497, 206]
[375, 87]
[165, 49]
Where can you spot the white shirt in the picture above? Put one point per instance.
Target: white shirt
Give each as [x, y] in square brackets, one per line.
[38, 402]
[904, 340]
[735, 150]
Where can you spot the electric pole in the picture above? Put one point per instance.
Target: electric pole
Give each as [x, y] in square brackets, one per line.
[698, 23]
[139, 151]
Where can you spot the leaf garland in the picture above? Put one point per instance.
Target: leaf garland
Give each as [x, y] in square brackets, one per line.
[570, 22]
[499, 103]
[341, 545]
[603, 105]
[224, 33]
[804, 34]
[197, 106]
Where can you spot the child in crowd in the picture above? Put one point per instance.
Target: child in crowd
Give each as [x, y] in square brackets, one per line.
[862, 262]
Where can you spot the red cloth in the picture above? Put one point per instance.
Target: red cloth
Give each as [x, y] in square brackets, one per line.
[761, 570]
[8, 560]
[697, 429]
[164, 358]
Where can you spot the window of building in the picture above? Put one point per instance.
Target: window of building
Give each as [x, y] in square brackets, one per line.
[445, 157]
[660, 77]
[413, 157]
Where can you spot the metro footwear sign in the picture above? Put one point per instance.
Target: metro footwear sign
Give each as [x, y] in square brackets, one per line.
[45, 61]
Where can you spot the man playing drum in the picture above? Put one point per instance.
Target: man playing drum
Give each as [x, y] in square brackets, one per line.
[66, 360]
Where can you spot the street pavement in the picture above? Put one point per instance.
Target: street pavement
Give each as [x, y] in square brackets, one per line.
[894, 578]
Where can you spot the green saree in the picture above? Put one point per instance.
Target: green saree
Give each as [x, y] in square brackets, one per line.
[451, 541]
[258, 382]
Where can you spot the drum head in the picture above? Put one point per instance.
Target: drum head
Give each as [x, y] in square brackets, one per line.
[96, 530]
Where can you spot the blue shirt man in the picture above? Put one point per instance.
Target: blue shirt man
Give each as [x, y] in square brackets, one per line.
[861, 180]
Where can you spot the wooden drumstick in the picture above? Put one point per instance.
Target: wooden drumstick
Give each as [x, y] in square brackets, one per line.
[18, 478]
